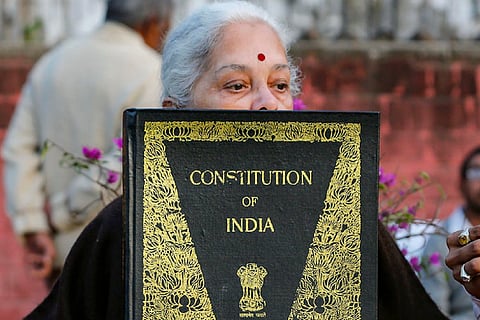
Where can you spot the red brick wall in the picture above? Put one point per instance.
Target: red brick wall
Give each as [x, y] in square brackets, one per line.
[13, 72]
[430, 117]
[19, 292]
[428, 98]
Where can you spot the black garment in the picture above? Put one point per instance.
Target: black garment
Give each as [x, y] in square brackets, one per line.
[91, 286]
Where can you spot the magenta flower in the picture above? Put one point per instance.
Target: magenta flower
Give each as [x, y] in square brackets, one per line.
[298, 104]
[393, 228]
[112, 177]
[403, 225]
[435, 259]
[404, 251]
[415, 263]
[118, 142]
[384, 214]
[92, 153]
[388, 179]
[412, 210]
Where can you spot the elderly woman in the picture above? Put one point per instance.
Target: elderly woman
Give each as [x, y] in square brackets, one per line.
[229, 55]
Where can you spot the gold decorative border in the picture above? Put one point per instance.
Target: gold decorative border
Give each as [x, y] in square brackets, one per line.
[173, 283]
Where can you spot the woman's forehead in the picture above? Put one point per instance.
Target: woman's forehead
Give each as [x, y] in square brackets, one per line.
[249, 42]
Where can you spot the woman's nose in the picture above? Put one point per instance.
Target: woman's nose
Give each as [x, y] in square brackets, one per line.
[264, 100]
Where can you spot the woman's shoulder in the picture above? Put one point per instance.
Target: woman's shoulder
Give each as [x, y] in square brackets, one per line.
[110, 215]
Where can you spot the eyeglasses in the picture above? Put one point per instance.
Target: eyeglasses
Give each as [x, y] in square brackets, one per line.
[472, 174]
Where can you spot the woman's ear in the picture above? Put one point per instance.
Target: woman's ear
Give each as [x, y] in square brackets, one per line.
[169, 103]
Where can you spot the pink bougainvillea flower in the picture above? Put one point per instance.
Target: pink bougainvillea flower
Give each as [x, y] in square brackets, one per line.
[112, 177]
[404, 251]
[298, 104]
[403, 225]
[384, 214]
[387, 179]
[118, 142]
[92, 153]
[393, 228]
[435, 259]
[412, 210]
[415, 263]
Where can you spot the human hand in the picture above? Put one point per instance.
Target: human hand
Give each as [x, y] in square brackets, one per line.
[40, 253]
[467, 255]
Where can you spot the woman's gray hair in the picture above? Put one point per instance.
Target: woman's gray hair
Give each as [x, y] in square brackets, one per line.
[188, 47]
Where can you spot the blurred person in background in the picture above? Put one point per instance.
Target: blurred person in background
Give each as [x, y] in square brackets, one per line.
[450, 295]
[75, 96]
[463, 256]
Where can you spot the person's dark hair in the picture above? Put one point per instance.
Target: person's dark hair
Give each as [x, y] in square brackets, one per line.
[134, 12]
[466, 162]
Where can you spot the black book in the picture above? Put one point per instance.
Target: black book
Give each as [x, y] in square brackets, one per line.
[245, 214]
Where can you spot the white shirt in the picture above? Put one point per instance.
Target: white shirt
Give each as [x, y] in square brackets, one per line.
[74, 96]
[476, 307]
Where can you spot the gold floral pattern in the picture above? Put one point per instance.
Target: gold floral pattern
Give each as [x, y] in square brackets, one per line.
[173, 283]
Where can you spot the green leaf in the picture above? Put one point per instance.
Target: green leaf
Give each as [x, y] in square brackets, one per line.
[45, 148]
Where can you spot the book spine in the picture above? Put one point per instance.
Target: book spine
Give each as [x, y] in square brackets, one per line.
[130, 119]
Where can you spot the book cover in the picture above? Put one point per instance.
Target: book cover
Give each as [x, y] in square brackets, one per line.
[245, 214]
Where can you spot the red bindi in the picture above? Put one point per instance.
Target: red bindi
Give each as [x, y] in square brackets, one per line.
[261, 57]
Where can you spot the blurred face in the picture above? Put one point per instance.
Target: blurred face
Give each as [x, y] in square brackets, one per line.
[471, 185]
[248, 71]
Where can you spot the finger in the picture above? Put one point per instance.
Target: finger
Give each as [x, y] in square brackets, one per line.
[473, 287]
[452, 239]
[47, 266]
[33, 259]
[471, 267]
[40, 266]
[458, 255]
[41, 244]
[34, 265]
[474, 232]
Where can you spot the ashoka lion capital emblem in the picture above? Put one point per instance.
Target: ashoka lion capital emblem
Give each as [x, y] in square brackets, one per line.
[251, 279]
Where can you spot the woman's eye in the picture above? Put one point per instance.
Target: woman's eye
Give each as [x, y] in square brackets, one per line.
[236, 86]
[282, 87]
